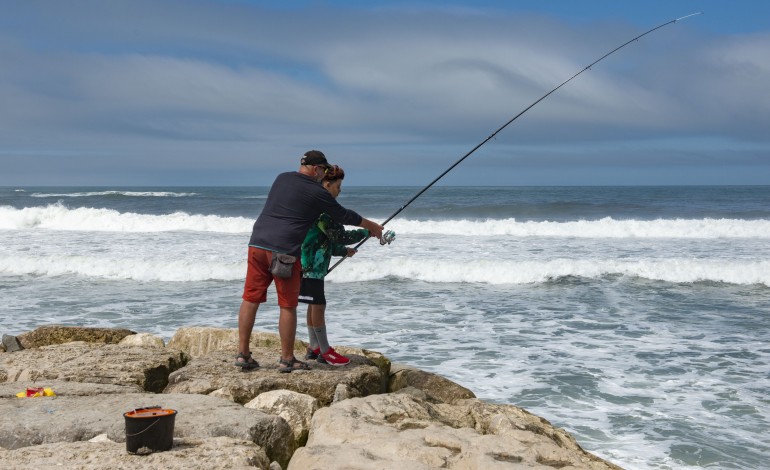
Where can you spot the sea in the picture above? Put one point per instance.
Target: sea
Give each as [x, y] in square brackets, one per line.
[636, 318]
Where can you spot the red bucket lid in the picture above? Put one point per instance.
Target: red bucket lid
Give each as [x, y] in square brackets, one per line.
[152, 412]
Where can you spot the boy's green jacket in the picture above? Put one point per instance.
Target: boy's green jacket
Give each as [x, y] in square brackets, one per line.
[324, 239]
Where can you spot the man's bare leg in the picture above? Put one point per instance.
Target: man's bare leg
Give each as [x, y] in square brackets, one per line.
[246, 317]
[287, 329]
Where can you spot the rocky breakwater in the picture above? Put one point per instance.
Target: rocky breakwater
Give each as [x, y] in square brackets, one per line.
[370, 414]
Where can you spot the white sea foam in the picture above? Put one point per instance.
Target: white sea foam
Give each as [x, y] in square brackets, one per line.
[437, 271]
[531, 272]
[143, 270]
[116, 193]
[602, 228]
[59, 217]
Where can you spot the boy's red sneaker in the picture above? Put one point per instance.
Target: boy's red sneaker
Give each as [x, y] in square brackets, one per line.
[333, 358]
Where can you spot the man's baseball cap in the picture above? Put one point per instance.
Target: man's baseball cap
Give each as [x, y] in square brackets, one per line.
[314, 157]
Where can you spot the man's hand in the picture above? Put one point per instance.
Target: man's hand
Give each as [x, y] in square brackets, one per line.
[351, 251]
[374, 228]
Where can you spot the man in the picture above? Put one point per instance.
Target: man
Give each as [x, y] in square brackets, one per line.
[294, 202]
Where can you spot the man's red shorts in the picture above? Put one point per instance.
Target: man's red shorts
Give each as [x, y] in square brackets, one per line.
[259, 277]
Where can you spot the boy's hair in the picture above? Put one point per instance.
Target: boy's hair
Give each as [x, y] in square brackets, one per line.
[334, 173]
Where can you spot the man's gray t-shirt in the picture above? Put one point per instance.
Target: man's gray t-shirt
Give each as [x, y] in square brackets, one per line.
[294, 202]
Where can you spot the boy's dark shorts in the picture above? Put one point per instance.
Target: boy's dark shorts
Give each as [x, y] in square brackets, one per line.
[311, 291]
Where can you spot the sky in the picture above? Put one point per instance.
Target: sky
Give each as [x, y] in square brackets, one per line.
[233, 92]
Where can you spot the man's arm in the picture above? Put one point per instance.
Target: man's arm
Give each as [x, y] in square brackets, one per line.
[345, 216]
[374, 228]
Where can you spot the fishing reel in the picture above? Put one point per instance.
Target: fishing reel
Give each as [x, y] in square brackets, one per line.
[387, 237]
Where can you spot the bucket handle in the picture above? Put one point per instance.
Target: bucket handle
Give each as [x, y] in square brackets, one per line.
[143, 430]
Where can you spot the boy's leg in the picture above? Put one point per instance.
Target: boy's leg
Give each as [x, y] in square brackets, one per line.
[313, 340]
[317, 316]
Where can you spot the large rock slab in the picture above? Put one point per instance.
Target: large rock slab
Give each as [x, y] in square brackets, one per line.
[35, 421]
[199, 341]
[186, 454]
[56, 334]
[215, 373]
[397, 431]
[94, 363]
[438, 389]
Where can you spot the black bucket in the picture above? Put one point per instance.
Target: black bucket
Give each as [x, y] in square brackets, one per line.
[150, 429]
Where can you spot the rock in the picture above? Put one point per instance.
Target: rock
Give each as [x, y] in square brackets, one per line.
[398, 431]
[343, 392]
[55, 334]
[11, 344]
[186, 454]
[215, 373]
[295, 408]
[93, 363]
[437, 388]
[377, 359]
[199, 341]
[35, 421]
[143, 339]
[426, 421]
[413, 392]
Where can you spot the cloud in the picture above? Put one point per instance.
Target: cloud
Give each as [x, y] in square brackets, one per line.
[161, 78]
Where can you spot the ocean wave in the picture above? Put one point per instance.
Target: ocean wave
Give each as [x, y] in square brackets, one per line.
[601, 228]
[116, 193]
[532, 272]
[59, 217]
[142, 270]
[678, 270]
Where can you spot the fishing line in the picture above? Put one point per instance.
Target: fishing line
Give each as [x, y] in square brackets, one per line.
[491, 136]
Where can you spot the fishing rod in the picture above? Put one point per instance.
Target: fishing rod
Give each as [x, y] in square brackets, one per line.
[491, 136]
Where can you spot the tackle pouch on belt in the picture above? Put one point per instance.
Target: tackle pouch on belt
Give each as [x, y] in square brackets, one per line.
[282, 264]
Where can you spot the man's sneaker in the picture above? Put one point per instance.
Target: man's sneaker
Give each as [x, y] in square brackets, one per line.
[333, 358]
[315, 354]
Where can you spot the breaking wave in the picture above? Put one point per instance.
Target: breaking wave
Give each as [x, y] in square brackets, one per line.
[117, 193]
[59, 217]
[438, 271]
